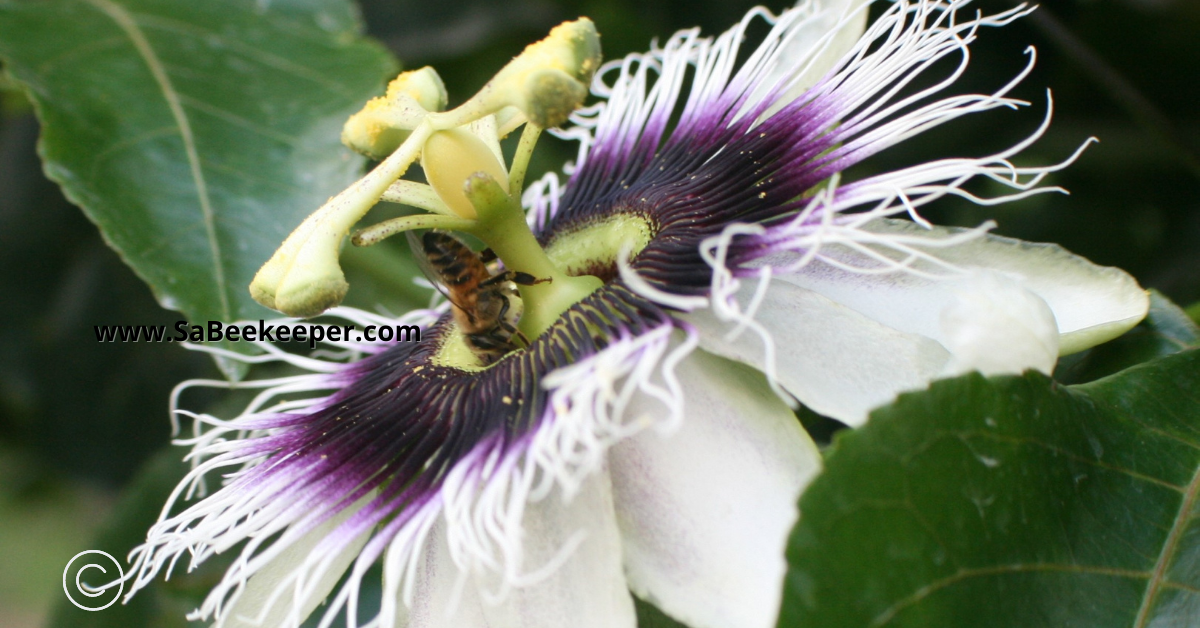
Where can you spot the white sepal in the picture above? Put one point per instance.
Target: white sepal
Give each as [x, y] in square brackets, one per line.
[277, 594]
[580, 583]
[995, 326]
[833, 359]
[705, 510]
[1091, 304]
[831, 28]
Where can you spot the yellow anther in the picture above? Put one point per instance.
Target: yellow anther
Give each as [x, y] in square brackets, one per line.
[546, 82]
[384, 122]
[550, 78]
[571, 47]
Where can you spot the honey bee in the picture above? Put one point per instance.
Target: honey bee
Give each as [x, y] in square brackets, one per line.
[481, 302]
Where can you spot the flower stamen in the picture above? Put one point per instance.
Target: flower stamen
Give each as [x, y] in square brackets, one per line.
[541, 87]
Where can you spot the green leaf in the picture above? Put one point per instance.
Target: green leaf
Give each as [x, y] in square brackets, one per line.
[1166, 329]
[1011, 501]
[1193, 312]
[196, 135]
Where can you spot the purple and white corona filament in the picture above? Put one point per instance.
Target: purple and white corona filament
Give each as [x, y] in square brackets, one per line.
[643, 441]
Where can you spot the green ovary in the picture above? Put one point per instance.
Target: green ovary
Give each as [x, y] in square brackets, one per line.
[599, 244]
[453, 352]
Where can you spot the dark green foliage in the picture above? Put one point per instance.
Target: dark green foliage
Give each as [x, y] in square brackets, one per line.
[196, 135]
[1010, 501]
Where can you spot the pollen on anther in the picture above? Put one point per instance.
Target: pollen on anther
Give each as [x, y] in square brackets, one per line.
[506, 399]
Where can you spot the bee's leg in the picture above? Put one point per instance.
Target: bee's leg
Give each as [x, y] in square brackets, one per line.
[519, 278]
[525, 279]
[495, 279]
[487, 348]
[503, 324]
[487, 256]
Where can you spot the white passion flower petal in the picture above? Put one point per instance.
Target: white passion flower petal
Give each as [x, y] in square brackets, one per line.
[269, 597]
[835, 360]
[1091, 304]
[827, 30]
[705, 510]
[573, 549]
[441, 594]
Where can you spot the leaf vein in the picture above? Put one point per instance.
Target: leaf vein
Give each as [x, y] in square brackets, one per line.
[1159, 574]
[242, 175]
[126, 23]
[890, 612]
[129, 142]
[236, 120]
[1066, 453]
[261, 56]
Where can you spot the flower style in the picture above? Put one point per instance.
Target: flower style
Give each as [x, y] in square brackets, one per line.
[640, 440]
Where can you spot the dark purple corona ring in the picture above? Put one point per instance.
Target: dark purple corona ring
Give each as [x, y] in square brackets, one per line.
[741, 276]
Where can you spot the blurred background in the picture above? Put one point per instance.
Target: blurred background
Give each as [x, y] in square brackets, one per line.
[79, 418]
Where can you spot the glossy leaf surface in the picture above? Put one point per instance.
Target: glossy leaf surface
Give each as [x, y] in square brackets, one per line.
[196, 135]
[1010, 501]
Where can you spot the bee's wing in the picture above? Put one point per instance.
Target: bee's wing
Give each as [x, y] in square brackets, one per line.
[427, 269]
